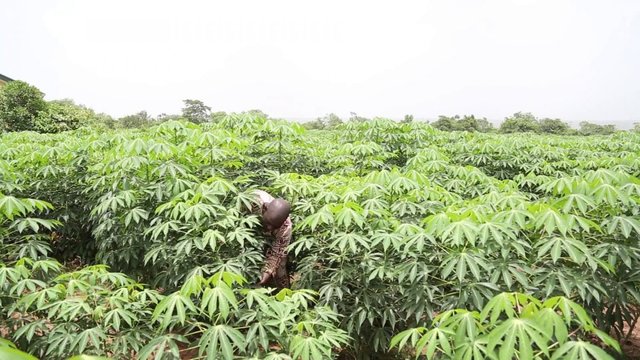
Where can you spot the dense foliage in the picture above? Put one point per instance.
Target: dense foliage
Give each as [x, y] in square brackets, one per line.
[20, 106]
[399, 227]
[23, 108]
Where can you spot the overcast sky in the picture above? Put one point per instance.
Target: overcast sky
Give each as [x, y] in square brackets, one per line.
[574, 59]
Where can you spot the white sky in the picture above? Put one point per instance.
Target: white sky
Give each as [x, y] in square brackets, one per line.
[573, 59]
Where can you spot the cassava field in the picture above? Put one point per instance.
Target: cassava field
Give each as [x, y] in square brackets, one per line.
[408, 242]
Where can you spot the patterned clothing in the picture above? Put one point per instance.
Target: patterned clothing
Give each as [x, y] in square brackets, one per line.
[275, 262]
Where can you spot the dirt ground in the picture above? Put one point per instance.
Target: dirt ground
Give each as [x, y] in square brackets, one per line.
[631, 348]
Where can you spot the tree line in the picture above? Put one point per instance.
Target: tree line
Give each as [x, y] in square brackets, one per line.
[23, 108]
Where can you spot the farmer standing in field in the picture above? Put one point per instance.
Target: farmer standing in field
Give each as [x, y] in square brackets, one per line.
[276, 222]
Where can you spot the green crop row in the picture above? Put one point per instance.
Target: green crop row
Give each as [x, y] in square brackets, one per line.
[396, 225]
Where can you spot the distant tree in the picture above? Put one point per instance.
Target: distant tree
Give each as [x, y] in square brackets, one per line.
[636, 127]
[258, 113]
[520, 122]
[587, 128]
[465, 123]
[407, 119]
[446, 123]
[355, 117]
[471, 123]
[106, 120]
[554, 126]
[332, 120]
[217, 116]
[138, 120]
[195, 111]
[62, 115]
[163, 117]
[20, 106]
[484, 125]
[328, 121]
[316, 124]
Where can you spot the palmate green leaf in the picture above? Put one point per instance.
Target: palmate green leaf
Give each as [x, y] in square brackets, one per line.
[68, 309]
[567, 309]
[114, 318]
[11, 206]
[550, 220]
[352, 240]
[8, 275]
[607, 339]
[335, 338]
[609, 194]
[276, 356]
[461, 261]
[573, 202]
[136, 215]
[498, 232]
[258, 335]
[437, 339]
[437, 223]
[525, 335]
[59, 340]
[218, 300]
[501, 303]
[30, 285]
[309, 348]
[466, 324]
[29, 330]
[387, 239]
[212, 238]
[34, 224]
[564, 185]
[555, 246]
[508, 272]
[624, 224]
[347, 214]
[89, 338]
[162, 228]
[221, 342]
[194, 284]
[552, 323]
[240, 235]
[157, 348]
[46, 266]
[460, 233]
[260, 296]
[175, 304]
[511, 201]
[227, 277]
[473, 349]
[183, 248]
[41, 297]
[579, 223]
[514, 217]
[34, 247]
[302, 298]
[580, 350]
[199, 211]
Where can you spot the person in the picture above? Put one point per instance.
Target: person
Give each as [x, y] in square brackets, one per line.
[277, 223]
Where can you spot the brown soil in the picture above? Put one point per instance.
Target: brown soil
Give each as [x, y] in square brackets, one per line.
[631, 347]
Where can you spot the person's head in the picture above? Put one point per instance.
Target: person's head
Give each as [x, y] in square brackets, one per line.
[275, 213]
